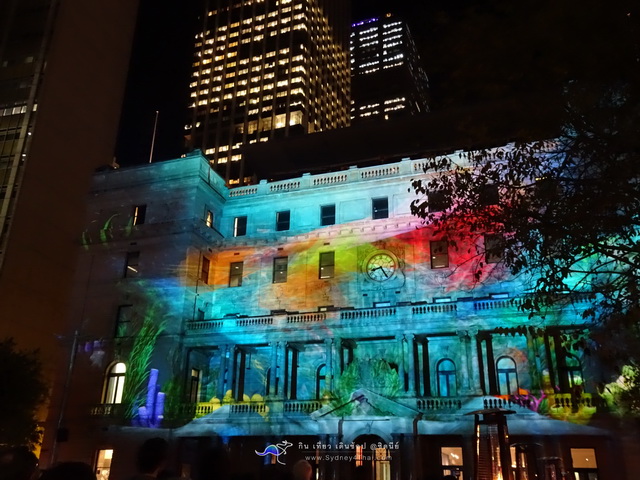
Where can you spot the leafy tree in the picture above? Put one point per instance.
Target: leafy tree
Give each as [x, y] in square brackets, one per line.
[562, 214]
[23, 392]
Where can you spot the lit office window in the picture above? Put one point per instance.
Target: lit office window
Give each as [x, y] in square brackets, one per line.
[280, 265]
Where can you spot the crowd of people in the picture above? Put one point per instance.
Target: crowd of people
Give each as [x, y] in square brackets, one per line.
[19, 463]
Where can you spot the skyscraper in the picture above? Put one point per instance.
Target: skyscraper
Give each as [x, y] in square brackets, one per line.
[265, 69]
[63, 67]
[387, 76]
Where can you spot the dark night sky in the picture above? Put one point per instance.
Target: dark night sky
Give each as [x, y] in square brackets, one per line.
[475, 53]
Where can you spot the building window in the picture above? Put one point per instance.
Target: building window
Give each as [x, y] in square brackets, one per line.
[493, 248]
[327, 264]
[114, 384]
[123, 321]
[235, 274]
[438, 201]
[240, 226]
[327, 215]
[208, 219]
[204, 270]
[439, 254]
[446, 373]
[584, 463]
[574, 371]
[507, 376]
[283, 220]
[131, 264]
[380, 208]
[139, 214]
[451, 461]
[194, 386]
[321, 379]
[489, 195]
[280, 269]
[103, 463]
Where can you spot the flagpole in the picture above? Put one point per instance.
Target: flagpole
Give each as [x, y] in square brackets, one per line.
[153, 139]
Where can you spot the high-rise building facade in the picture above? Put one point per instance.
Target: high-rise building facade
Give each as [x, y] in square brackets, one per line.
[63, 66]
[265, 69]
[387, 76]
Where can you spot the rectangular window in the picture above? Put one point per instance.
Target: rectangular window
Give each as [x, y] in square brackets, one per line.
[235, 274]
[194, 390]
[493, 248]
[123, 321]
[208, 219]
[327, 265]
[240, 226]
[139, 214]
[204, 270]
[438, 201]
[380, 208]
[327, 215]
[103, 463]
[282, 220]
[451, 461]
[131, 264]
[439, 254]
[489, 195]
[280, 269]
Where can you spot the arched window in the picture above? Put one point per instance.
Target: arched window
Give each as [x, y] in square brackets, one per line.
[574, 370]
[114, 383]
[446, 374]
[321, 378]
[507, 376]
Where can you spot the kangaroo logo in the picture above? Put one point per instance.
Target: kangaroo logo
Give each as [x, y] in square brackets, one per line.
[275, 450]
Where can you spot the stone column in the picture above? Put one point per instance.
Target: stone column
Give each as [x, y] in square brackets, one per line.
[474, 371]
[413, 371]
[222, 375]
[426, 368]
[491, 366]
[401, 363]
[328, 343]
[273, 369]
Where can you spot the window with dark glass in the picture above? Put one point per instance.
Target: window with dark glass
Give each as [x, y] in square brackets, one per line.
[446, 372]
[493, 248]
[489, 195]
[131, 264]
[282, 220]
[573, 368]
[235, 274]
[194, 387]
[439, 254]
[139, 214]
[280, 269]
[123, 320]
[327, 264]
[438, 201]
[204, 270]
[327, 215]
[240, 226]
[380, 208]
[507, 376]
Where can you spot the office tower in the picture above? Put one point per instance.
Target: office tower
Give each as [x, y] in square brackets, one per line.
[386, 73]
[63, 66]
[266, 69]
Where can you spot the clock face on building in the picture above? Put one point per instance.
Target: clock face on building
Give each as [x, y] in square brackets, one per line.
[381, 267]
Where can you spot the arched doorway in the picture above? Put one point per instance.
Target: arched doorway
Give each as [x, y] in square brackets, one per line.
[372, 459]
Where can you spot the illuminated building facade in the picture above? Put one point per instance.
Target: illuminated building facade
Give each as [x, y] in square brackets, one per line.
[387, 77]
[317, 316]
[265, 69]
[63, 66]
